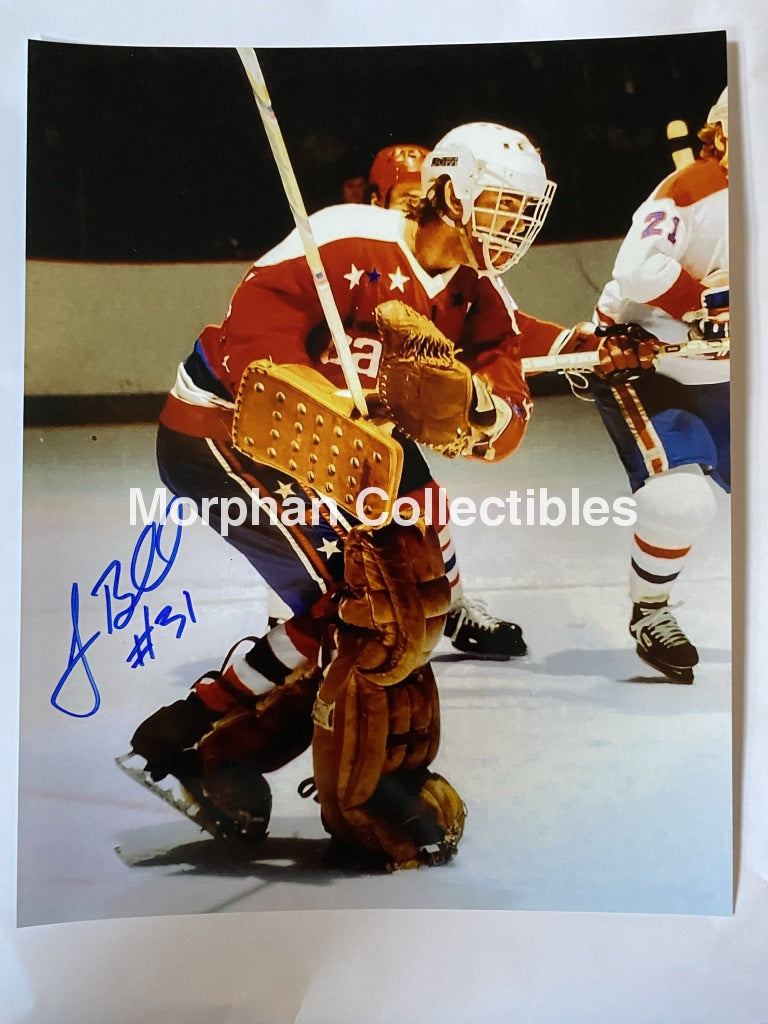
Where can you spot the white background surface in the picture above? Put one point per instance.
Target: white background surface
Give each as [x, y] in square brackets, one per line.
[411, 966]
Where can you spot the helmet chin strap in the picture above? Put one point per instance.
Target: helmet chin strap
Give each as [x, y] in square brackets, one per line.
[450, 202]
[466, 245]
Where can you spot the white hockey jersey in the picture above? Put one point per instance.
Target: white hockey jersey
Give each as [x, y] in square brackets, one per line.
[678, 237]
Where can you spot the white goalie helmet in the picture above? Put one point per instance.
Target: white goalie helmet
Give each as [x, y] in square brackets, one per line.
[502, 166]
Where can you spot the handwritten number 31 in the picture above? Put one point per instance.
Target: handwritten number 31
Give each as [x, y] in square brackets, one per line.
[147, 551]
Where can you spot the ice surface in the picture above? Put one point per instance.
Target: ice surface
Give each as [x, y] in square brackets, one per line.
[591, 784]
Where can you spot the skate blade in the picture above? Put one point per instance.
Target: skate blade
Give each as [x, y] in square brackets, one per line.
[244, 829]
[471, 655]
[681, 676]
[169, 789]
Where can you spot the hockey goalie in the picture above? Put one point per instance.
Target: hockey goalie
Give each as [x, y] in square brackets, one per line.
[261, 406]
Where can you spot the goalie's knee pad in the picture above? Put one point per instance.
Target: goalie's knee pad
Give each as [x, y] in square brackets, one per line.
[398, 594]
[675, 508]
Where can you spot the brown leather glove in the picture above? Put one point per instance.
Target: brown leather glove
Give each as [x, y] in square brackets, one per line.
[626, 351]
[425, 389]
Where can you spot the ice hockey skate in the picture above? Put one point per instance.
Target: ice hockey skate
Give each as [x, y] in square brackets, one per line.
[661, 643]
[217, 805]
[473, 630]
[232, 802]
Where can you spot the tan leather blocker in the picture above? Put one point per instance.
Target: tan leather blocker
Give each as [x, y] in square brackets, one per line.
[292, 418]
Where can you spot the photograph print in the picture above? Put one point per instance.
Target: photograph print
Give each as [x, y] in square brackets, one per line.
[376, 516]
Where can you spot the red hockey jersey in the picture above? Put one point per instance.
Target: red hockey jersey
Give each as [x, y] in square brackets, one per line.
[275, 312]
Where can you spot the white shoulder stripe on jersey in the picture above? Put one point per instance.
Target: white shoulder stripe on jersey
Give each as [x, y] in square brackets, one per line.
[350, 220]
[355, 220]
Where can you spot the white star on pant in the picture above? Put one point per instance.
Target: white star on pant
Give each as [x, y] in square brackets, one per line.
[353, 276]
[285, 489]
[397, 280]
[329, 547]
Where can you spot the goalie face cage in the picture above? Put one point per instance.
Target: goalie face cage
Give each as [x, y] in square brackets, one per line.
[506, 222]
[499, 178]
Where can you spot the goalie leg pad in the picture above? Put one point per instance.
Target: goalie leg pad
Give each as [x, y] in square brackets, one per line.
[371, 751]
[397, 595]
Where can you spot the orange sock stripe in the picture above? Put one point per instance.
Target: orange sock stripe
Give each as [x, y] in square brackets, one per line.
[655, 552]
[305, 644]
[221, 697]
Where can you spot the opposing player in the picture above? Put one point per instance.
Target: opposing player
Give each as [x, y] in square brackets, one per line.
[376, 716]
[670, 425]
[394, 180]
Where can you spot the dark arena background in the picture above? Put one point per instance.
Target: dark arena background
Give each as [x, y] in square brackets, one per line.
[158, 154]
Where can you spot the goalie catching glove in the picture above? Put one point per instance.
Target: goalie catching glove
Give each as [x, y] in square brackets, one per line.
[432, 397]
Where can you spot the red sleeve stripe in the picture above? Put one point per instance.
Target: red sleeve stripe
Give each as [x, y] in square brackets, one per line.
[684, 295]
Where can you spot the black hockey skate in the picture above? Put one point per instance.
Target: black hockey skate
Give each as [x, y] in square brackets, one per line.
[473, 630]
[661, 643]
[231, 802]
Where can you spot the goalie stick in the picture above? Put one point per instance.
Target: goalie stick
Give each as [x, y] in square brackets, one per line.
[311, 251]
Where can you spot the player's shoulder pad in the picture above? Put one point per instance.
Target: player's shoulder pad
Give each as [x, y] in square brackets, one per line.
[356, 220]
[692, 183]
[346, 221]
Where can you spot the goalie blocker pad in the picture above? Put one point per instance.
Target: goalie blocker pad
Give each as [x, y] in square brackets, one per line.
[293, 419]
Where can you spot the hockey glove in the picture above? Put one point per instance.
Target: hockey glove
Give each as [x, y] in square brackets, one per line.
[427, 392]
[626, 352]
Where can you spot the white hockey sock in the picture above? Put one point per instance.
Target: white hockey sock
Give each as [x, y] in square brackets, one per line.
[673, 510]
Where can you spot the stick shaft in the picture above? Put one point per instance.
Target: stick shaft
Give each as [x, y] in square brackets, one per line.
[311, 251]
[587, 360]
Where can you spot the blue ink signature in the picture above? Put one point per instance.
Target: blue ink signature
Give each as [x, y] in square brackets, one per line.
[151, 561]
